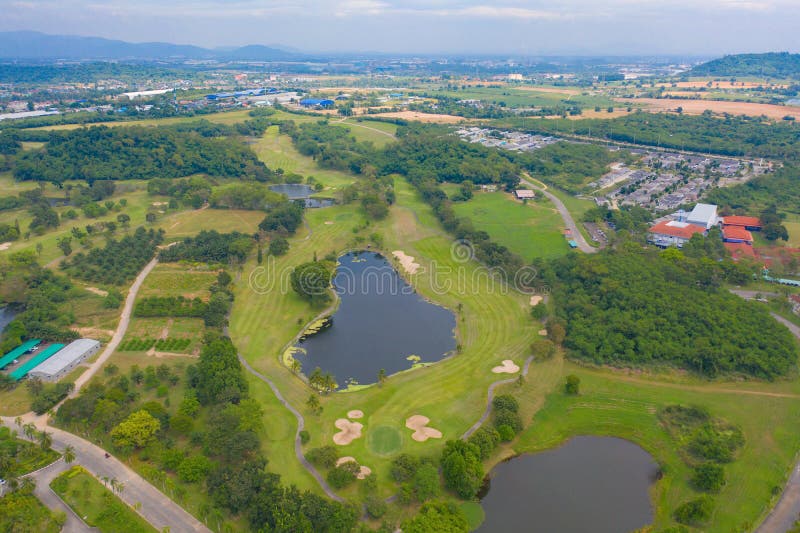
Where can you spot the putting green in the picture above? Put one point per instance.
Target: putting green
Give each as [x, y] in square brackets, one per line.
[384, 440]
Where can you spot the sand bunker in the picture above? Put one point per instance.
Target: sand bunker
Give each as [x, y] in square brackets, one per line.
[349, 431]
[328, 222]
[543, 332]
[355, 413]
[535, 300]
[5, 246]
[95, 290]
[422, 433]
[406, 261]
[508, 367]
[363, 471]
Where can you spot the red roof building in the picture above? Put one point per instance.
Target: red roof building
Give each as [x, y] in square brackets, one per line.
[749, 223]
[736, 234]
[739, 250]
[673, 233]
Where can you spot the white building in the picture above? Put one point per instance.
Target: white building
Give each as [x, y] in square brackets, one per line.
[703, 215]
[524, 194]
[66, 359]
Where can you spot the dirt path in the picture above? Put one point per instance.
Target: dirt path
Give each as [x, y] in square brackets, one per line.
[298, 450]
[490, 396]
[569, 222]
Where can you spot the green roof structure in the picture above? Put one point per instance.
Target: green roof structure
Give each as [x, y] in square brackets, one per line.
[23, 348]
[34, 361]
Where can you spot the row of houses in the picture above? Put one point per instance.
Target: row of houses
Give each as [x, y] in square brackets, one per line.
[736, 230]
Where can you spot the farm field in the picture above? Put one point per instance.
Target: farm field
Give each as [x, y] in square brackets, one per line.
[532, 230]
[696, 107]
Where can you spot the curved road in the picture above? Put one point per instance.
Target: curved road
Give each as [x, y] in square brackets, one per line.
[490, 395]
[569, 222]
[51, 500]
[301, 424]
[159, 510]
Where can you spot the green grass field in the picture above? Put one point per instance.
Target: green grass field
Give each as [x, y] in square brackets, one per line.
[532, 230]
[97, 505]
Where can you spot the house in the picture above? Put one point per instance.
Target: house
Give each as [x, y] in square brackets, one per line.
[748, 223]
[316, 102]
[524, 194]
[673, 233]
[736, 234]
[703, 215]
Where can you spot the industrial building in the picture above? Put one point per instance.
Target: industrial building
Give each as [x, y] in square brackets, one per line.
[316, 102]
[39, 358]
[62, 363]
[703, 215]
[19, 351]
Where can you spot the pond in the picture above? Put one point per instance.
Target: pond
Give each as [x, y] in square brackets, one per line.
[590, 484]
[381, 323]
[298, 191]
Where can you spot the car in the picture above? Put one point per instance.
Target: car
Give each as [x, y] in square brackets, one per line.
[15, 361]
[2, 482]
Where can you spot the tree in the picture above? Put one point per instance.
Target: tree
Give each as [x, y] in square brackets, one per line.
[45, 440]
[69, 454]
[572, 384]
[136, 431]
[311, 281]
[695, 512]
[278, 246]
[441, 517]
[65, 243]
[381, 377]
[708, 477]
[462, 468]
[124, 219]
[313, 403]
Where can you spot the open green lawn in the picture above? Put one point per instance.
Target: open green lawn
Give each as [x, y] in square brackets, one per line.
[532, 230]
[176, 279]
[96, 504]
[365, 130]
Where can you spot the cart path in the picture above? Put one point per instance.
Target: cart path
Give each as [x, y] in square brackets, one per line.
[569, 222]
[490, 397]
[345, 121]
[298, 450]
[43, 477]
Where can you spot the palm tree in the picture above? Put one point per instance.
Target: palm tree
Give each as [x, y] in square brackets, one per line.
[69, 454]
[313, 403]
[45, 440]
[18, 421]
[29, 430]
[381, 376]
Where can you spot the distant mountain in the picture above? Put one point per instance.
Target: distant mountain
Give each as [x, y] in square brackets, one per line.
[769, 65]
[32, 45]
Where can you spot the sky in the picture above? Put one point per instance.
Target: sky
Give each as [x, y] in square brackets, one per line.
[532, 27]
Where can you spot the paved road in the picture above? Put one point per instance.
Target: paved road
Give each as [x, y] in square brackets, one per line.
[787, 511]
[155, 507]
[490, 396]
[569, 222]
[752, 295]
[51, 500]
[298, 449]
[122, 327]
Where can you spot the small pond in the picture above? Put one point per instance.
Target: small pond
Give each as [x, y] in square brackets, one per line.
[590, 484]
[298, 191]
[7, 314]
[381, 322]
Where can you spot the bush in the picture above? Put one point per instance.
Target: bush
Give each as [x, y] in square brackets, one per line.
[404, 467]
[304, 437]
[278, 246]
[325, 457]
[194, 468]
[486, 439]
[708, 477]
[343, 475]
[572, 384]
[504, 417]
[716, 442]
[695, 512]
[506, 401]
[506, 433]
[375, 506]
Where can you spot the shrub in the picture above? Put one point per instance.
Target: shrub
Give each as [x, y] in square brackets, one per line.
[343, 475]
[695, 512]
[404, 466]
[506, 433]
[506, 401]
[486, 440]
[304, 437]
[572, 384]
[324, 457]
[194, 468]
[709, 477]
[504, 417]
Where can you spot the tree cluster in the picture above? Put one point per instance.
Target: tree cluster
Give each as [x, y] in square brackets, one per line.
[210, 247]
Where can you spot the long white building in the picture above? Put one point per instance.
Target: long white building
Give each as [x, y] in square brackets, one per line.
[66, 359]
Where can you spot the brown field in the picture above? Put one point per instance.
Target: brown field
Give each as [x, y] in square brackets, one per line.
[422, 117]
[557, 90]
[721, 84]
[696, 107]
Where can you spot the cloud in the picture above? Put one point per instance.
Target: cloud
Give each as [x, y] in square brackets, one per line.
[361, 7]
[508, 12]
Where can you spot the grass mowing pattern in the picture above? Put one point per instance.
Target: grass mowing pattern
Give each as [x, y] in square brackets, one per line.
[384, 440]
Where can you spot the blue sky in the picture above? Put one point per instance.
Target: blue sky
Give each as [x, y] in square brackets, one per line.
[683, 27]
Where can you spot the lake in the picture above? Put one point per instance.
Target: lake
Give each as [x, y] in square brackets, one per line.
[590, 484]
[380, 322]
[298, 191]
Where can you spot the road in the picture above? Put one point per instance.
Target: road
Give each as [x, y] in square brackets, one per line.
[298, 449]
[51, 500]
[490, 395]
[569, 222]
[155, 507]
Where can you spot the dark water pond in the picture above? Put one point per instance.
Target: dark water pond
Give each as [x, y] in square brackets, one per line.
[298, 191]
[7, 314]
[588, 485]
[380, 322]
